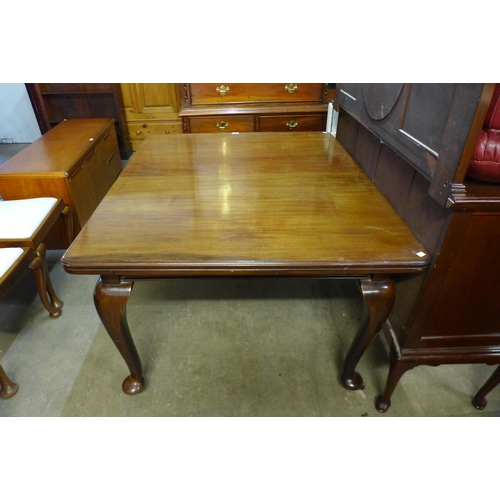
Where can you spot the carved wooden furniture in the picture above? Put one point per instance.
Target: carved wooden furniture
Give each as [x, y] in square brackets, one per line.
[55, 102]
[24, 224]
[230, 205]
[415, 142]
[7, 387]
[150, 109]
[78, 161]
[253, 107]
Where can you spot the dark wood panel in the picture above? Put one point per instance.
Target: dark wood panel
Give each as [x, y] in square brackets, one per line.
[367, 151]
[427, 124]
[428, 100]
[59, 107]
[463, 298]
[380, 98]
[393, 176]
[347, 132]
[424, 216]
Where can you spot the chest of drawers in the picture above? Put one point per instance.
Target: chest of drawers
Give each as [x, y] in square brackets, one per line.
[253, 107]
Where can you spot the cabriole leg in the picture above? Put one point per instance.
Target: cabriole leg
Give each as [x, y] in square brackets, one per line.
[379, 293]
[7, 387]
[44, 285]
[110, 298]
[479, 400]
[396, 370]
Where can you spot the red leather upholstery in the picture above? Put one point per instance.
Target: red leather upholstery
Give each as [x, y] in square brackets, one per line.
[485, 163]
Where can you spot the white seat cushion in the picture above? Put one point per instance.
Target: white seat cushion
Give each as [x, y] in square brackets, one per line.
[7, 257]
[21, 218]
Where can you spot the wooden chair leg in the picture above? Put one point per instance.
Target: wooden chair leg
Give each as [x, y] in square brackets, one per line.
[7, 387]
[44, 285]
[67, 217]
[479, 400]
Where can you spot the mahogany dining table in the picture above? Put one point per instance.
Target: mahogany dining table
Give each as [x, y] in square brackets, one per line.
[291, 204]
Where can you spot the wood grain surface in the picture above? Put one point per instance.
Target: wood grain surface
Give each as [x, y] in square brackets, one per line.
[238, 204]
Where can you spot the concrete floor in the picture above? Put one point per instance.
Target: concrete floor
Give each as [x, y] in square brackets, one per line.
[247, 347]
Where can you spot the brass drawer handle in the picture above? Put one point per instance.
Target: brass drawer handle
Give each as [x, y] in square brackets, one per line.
[291, 88]
[222, 125]
[292, 124]
[222, 90]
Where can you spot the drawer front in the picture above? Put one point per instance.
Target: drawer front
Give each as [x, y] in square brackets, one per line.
[233, 93]
[226, 123]
[292, 123]
[138, 131]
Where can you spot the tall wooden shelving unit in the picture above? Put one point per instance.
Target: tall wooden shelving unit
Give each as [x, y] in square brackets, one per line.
[54, 102]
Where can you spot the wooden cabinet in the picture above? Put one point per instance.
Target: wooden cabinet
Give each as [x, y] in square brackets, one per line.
[415, 142]
[253, 107]
[54, 102]
[150, 109]
[77, 160]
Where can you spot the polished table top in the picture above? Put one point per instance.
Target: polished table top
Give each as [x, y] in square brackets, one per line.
[240, 204]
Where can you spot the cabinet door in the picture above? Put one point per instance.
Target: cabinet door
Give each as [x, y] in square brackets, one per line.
[85, 187]
[150, 108]
[109, 158]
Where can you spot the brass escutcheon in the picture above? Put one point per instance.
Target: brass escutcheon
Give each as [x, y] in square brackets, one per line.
[291, 88]
[222, 90]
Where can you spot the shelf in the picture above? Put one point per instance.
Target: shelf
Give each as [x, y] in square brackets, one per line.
[76, 92]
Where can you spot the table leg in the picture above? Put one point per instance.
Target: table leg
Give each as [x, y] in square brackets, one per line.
[110, 298]
[379, 293]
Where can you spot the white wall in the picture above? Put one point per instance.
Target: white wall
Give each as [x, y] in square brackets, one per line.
[17, 119]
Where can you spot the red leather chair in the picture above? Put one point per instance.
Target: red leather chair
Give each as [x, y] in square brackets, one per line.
[485, 163]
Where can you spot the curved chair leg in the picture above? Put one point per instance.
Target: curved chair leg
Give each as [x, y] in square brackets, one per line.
[8, 388]
[479, 400]
[44, 285]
